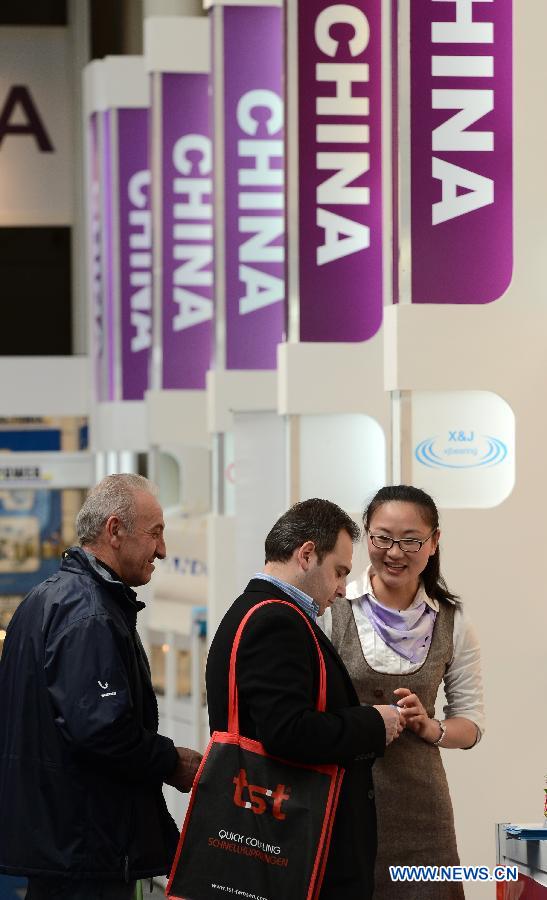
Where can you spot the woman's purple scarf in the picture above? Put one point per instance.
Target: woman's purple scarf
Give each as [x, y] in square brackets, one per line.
[408, 632]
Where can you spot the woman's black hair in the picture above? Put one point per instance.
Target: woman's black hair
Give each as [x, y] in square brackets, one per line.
[434, 583]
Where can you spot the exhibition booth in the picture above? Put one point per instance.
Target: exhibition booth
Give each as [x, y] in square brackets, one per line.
[313, 264]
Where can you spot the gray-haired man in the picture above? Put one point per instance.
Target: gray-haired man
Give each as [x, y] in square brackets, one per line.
[81, 762]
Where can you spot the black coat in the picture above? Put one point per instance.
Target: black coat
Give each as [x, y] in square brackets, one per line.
[277, 675]
[81, 763]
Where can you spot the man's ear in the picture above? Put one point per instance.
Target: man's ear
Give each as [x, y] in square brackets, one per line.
[113, 529]
[304, 555]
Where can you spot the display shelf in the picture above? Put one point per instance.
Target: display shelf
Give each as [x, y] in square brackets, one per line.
[529, 855]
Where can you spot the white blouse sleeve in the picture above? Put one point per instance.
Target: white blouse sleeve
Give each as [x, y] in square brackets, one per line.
[463, 679]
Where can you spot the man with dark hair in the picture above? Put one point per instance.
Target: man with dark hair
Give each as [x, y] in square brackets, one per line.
[308, 558]
[81, 762]
[314, 520]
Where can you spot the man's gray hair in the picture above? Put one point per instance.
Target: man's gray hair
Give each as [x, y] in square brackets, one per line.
[113, 496]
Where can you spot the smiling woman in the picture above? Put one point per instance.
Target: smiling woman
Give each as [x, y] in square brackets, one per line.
[401, 632]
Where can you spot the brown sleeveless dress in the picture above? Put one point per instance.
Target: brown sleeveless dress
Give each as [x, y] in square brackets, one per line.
[413, 806]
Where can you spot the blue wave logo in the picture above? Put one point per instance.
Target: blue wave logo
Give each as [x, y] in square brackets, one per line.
[462, 450]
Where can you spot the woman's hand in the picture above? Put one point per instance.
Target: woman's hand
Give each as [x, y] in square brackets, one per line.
[459, 731]
[415, 716]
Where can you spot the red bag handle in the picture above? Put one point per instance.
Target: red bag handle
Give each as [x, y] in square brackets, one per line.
[233, 701]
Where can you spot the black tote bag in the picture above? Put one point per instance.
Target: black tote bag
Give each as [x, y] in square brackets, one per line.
[257, 827]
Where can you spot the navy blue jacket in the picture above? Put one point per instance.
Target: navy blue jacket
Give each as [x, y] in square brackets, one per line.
[81, 763]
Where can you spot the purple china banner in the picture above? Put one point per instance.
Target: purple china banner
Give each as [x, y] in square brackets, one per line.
[108, 235]
[461, 150]
[135, 248]
[95, 257]
[187, 230]
[339, 169]
[254, 222]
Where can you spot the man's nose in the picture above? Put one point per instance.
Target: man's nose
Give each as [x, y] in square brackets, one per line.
[161, 549]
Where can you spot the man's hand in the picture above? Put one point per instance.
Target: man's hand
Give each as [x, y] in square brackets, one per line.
[184, 773]
[393, 720]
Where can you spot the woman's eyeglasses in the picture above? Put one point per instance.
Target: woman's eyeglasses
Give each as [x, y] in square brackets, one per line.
[407, 545]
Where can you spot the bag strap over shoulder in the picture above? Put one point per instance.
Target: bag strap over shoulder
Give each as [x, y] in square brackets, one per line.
[233, 700]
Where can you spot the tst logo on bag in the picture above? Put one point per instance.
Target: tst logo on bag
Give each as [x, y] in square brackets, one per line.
[257, 803]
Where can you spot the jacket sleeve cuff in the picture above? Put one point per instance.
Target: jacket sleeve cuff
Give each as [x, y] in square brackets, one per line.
[374, 728]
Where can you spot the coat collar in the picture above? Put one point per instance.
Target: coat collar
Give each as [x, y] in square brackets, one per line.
[78, 560]
[264, 590]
